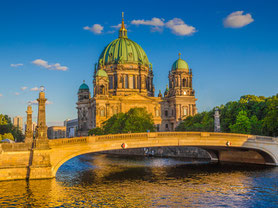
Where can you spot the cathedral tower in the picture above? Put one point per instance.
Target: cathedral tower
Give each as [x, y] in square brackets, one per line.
[179, 98]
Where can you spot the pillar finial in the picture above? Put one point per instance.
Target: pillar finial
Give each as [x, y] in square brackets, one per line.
[123, 31]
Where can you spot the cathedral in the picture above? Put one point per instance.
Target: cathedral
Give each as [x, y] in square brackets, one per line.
[123, 79]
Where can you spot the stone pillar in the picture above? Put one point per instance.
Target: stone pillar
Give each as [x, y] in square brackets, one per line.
[29, 130]
[136, 82]
[216, 120]
[41, 140]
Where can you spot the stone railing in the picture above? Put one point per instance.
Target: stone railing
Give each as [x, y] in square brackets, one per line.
[121, 136]
[109, 137]
[264, 139]
[67, 141]
[11, 147]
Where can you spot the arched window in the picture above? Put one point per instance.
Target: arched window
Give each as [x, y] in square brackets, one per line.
[115, 110]
[184, 82]
[156, 112]
[102, 90]
[185, 111]
[126, 81]
[134, 82]
[110, 82]
[131, 82]
[115, 81]
[122, 81]
[102, 112]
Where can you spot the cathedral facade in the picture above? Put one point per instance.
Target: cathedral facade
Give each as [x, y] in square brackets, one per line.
[123, 79]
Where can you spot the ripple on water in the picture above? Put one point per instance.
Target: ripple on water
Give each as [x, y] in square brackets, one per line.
[113, 181]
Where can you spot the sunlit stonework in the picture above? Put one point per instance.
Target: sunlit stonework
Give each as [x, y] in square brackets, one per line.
[123, 79]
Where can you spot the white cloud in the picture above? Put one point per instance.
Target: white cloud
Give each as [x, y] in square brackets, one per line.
[116, 26]
[178, 27]
[48, 102]
[23, 88]
[34, 89]
[35, 102]
[96, 28]
[43, 63]
[153, 22]
[17, 93]
[1, 95]
[16, 65]
[237, 20]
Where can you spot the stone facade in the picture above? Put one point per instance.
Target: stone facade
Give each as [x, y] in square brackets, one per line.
[56, 132]
[123, 79]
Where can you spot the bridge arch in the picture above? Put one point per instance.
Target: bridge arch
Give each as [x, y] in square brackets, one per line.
[243, 148]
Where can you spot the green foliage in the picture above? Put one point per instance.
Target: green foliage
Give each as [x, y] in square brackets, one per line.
[270, 122]
[3, 120]
[252, 114]
[200, 122]
[134, 121]
[7, 136]
[7, 127]
[96, 131]
[242, 124]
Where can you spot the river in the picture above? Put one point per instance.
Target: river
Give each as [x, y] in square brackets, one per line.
[99, 180]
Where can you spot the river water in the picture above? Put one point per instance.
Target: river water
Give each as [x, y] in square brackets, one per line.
[99, 180]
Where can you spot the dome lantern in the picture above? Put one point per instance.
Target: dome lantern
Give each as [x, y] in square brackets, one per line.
[180, 64]
[123, 31]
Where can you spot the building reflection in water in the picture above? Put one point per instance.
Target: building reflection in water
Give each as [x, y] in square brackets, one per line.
[101, 180]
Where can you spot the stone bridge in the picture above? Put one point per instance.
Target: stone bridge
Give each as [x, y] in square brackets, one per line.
[27, 161]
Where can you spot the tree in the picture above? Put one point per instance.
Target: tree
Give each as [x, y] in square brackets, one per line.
[6, 126]
[256, 125]
[270, 122]
[134, 121]
[3, 120]
[7, 136]
[96, 131]
[200, 122]
[242, 124]
[260, 117]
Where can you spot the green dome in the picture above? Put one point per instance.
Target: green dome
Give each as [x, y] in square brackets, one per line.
[180, 64]
[101, 73]
[123, 50]
[84, 87]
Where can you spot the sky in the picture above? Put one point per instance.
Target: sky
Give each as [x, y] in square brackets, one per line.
[231, 46]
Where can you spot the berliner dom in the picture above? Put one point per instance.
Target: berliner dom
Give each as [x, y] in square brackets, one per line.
[123, 79]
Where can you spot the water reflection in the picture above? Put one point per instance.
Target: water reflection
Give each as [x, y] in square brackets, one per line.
[106, 181]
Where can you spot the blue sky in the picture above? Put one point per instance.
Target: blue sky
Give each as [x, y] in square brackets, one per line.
[231, 46]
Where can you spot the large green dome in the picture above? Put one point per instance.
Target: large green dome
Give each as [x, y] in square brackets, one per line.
[180, 64]
[123, 50]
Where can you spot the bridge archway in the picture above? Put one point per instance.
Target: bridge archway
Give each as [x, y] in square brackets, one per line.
[242, 150]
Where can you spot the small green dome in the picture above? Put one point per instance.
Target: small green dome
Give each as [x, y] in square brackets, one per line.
[123, 51]
[180, 64]
[84, 86]
[101, 73]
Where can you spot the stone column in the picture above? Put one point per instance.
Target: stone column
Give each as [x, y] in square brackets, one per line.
[41, 131]
[29, 130]
[217, 120]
